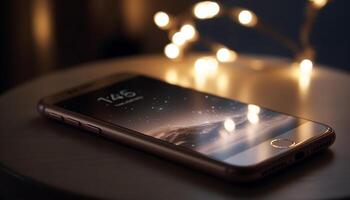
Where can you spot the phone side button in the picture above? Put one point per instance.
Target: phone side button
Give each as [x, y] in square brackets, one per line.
[55, 116]
[72, 121]
[91, 128]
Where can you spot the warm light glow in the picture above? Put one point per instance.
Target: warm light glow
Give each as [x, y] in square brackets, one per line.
[226, 55]
[319, 3]
[304, 83]
[305, 72]
[42, 27]
[253, 117]
[253, 109]
[172, 51]
[222, 83]
[305, 66]
[178, 38]
[247, 18]
[188, 31]
[229, 125]
[161, 19]
[206, 9]
[200, 79]
[184, 82]
[256, 64]
[206, 65]
[171, 76]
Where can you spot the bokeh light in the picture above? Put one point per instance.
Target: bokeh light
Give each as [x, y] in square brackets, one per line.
[319, 3]
[188, 31]
[226, 55]
[161, 19]
[172, 51]
[247, 18]
[206, 65]
[306, 66]
[178, 38]
[206, 9]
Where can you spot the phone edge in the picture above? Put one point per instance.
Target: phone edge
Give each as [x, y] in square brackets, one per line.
[190, 158]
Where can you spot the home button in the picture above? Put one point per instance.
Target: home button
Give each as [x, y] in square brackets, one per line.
[282, 143]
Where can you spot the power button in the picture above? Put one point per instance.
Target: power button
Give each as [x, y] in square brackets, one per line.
[91, 128]
[55, 116]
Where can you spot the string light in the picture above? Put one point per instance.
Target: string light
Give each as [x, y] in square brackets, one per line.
[178, 38]
[206, 64]
[161, 19]
[172, 51]
[210, 9]
[319, 3]
[206, 9]
[247, 18]
[225, 55]
[305, 66]
[188, 31]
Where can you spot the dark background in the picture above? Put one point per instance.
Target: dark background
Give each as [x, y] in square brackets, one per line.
[39, 36]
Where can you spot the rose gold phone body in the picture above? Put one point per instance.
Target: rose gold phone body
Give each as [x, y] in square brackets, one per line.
[256, 163]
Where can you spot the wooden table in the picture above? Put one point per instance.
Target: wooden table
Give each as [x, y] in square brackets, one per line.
[49, 156]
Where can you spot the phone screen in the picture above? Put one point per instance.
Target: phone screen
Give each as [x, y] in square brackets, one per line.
[214, 126]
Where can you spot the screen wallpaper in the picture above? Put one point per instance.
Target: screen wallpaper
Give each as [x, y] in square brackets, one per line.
[217, 127]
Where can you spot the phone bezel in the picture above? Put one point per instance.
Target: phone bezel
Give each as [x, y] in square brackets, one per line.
[166, 149]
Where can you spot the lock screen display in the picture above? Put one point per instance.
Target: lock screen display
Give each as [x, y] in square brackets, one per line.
[214, 126]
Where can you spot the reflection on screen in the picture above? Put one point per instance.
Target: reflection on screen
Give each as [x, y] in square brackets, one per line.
[214, 126]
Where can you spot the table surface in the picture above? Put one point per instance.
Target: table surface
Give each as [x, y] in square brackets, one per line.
[71, 160]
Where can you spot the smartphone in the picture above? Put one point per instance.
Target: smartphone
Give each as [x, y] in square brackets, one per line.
[224, 137]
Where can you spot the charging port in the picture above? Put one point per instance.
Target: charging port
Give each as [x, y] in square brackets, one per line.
[300, 155]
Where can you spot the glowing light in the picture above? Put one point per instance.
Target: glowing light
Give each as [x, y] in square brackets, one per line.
[178, 38]
[305, 72]
[253, 109]
[42, 27]
[171, 76]
[229, 125]
[319, 3]
[184, 82]
[200, 79]
[256, 64]
[172, 51]
[253, 117]
[222, 83]
[304, 83]
[306, 66]
[188, 31]
[42, 24]
[247, 18]
[206, 9]
[161, 19]
[226, 55]
[206, 65]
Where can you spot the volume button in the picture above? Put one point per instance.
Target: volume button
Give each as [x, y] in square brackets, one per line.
[72, 121]
[92, 128]
[55, 116]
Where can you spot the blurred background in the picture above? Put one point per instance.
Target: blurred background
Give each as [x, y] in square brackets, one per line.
[40, 36]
